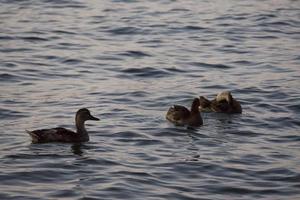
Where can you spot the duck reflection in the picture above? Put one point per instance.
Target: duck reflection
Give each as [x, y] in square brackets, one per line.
[76, 149]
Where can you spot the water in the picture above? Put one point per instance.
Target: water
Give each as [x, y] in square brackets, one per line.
[128, 61]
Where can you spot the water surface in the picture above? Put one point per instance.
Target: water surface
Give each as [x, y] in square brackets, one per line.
[128, 62]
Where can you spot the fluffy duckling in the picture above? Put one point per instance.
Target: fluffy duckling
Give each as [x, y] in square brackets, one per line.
[180, 115]
[223, 103]
[64, 135]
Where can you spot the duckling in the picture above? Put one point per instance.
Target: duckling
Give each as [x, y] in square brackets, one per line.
[64, 135]
[223, 103]
[180, 115]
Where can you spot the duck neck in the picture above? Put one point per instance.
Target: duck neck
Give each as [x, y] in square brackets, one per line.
[81, 129]
[195, 107]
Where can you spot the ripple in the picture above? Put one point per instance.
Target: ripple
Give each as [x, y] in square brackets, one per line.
[136, 54]
[146, 72]
[33, 39]
[10, 78]
[126, 31]
[207, 65]
[72, 61]
[128, 61]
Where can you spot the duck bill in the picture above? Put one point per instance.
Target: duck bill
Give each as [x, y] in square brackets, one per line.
[94, 118]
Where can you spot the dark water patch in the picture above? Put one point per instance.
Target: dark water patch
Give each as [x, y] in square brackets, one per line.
[99, 17]
[109, 58]
[126, 31]
[264, 16]
[268, 106]
[143, 175]
[275, 24]
[112, 10]
[135, 54]
[72, 61]
[279, 155]
[63, 32]
[289, 122]
[138, 94]
[210, 66]
[64, 4]
[250, 159]
[234, 190]
[241, 63]
[7, 38]
[48, 57]
[97, 162]
[10, 78]
[68, 44]
[13, 101]
[285, 139]
[266, 37]
[9, 65]
[280, 174]
[31, 70]
[294, 107]
[7, 114]
[175, 70]
[58, 75]
[179, 10]
[236, 17]
[33, 39]
[244, 133]
[272, 30]
[235, 51]
[193, 28]
[65, 46]
[39, 176]
[147, 142]
[125, 1]
[127, 134]
[25, 156]
[64, 193]
[252, 90]
[146, 72]
[276, 94]
[86, 72]
[14, 50]
[216, 87]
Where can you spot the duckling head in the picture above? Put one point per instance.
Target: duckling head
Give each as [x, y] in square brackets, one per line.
[84, 114]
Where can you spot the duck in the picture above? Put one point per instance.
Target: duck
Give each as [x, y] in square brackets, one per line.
[180, 115]
[60, 134]
[223, 103]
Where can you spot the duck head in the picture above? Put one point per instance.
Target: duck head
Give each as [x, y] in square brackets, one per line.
[224, 101]
[224, 97]
[84, 114]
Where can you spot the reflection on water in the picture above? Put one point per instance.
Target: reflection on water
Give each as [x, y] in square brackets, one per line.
[128, 62]
[77, 149]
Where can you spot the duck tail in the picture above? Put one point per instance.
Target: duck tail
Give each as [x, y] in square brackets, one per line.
[35, 138]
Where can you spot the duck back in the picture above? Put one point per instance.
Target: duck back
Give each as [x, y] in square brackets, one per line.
[54, 135]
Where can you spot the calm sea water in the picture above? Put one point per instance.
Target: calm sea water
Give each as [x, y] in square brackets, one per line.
[128, 62]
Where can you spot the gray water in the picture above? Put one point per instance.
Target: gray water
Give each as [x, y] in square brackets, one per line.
[128, 62]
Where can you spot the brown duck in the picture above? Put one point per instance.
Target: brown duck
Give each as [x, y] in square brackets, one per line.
[180, 115]
[223, 103]
[64, 135]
